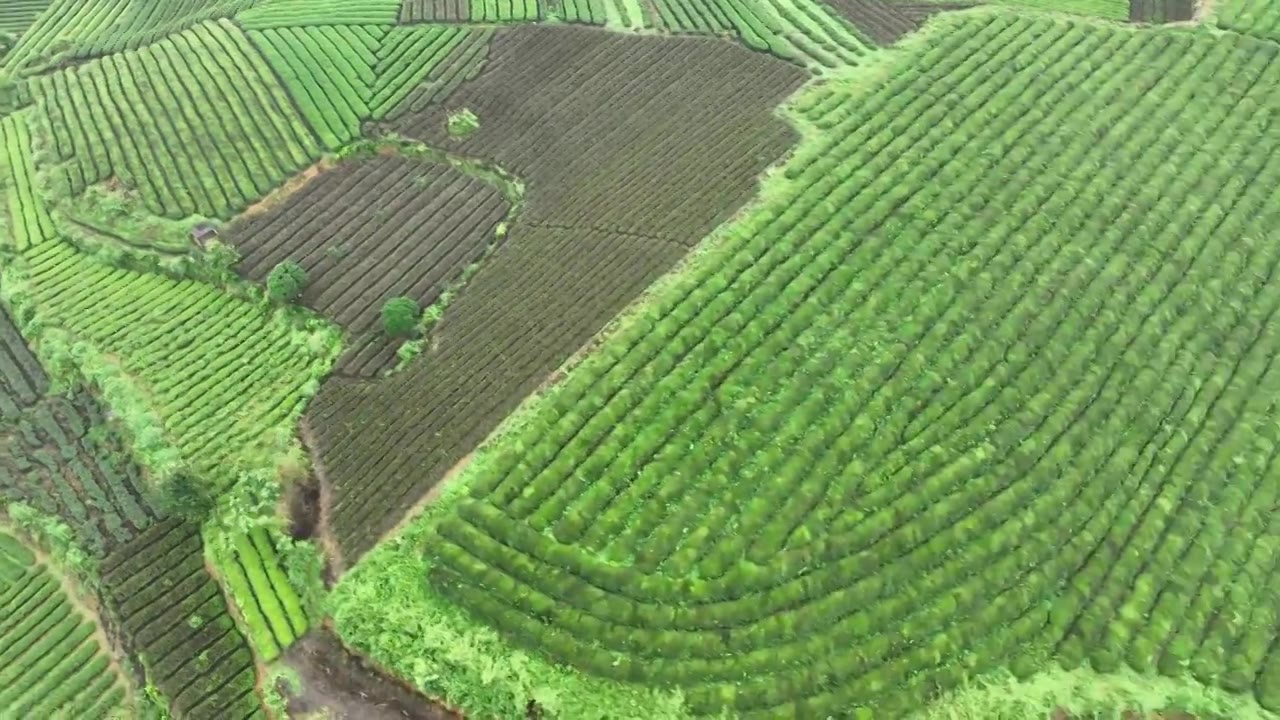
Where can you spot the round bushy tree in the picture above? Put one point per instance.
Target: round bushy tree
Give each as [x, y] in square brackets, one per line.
[286, 281]
[400, 316]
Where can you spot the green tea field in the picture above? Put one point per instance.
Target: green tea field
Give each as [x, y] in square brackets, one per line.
[640, 359]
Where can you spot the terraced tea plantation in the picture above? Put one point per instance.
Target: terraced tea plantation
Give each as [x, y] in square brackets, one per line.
[613, 360]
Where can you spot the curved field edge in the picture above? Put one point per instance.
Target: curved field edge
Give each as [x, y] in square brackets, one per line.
[92, 681]
[1082, 692]
[363, 603]
[385, 609]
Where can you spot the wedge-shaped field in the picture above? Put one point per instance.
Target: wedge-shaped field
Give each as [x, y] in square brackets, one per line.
[172, 615]
[369, 230]
[342, 76]
[225, 377]
[196, 123]
[639, 146]
[886, 21]
[989, 380]
[53, 662]
[220, 373]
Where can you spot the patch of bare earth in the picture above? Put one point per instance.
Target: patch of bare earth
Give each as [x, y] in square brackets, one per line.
[348, 687]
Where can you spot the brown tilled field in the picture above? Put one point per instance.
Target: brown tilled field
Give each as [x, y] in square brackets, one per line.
[371, 229]
[632, 148]
[885, 22]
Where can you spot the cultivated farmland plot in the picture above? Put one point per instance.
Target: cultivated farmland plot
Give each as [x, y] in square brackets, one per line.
[610, 359]
[53, 662]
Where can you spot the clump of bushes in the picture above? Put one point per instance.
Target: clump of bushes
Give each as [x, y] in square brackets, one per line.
[286, 281]
[400, 316]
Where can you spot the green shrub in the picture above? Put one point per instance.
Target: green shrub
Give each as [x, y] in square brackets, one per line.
[400, 316]
[462, 123]
[286, 281]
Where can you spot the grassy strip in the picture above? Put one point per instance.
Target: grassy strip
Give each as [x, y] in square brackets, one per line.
[1085, 693]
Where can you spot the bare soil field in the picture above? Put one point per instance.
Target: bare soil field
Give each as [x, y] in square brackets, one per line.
[884, 23]
[370, 229]
[335, 681]
[632, 149]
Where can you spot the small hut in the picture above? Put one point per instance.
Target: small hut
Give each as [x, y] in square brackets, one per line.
[202, 233]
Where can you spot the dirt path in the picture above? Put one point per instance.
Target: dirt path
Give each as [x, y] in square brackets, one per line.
[347, 687]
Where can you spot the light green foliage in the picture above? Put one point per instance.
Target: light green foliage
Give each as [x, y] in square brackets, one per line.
[237, 541]
[298, 13]
[303, 564]
[804, 31]
[90, 28]
[240, 587]
[29, 221]
[984, 382]
[50, 662]
[342, 76]
[408, 55]
[110, 217]
[400, 316]
[286, 281]
[52, 34]
[617, 14]
[328, 71]
[1122, 695]
[258, 545]
[384, 609]
[462, 123]
[221, 260]
[272, 611]
[1260, 18]
[225, 377]
[497, 11]
[17, 15]
[281, 678]
[1109, 9]
[196, 124]
[56, 538]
